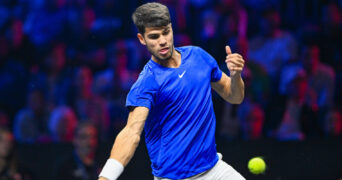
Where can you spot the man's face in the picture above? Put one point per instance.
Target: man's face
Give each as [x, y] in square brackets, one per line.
[86, 140]
[159, 41]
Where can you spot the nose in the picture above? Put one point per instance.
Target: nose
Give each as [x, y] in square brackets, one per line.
[162, 41]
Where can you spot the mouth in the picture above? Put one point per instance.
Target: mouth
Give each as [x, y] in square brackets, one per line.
[164, 51]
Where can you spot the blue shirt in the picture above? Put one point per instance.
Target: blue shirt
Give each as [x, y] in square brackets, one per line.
[180, 128]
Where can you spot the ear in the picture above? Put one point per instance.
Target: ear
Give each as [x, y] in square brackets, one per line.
[141, 39]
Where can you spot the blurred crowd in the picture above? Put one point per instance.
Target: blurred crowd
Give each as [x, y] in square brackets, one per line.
[66, 63]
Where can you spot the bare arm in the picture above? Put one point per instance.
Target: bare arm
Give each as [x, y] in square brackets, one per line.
[231, 89]
[128, 139]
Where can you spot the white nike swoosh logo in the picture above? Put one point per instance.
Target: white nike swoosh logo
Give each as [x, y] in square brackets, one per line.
[181, 75]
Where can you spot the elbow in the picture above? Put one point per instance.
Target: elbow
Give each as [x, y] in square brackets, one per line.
[237, 101]
[240, 100]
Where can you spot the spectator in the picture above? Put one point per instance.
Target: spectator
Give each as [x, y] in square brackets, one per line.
[321, 79]
[62, 124]
[300, 116]
[82, 164]
[46, 24]
[9, 167]
[87, 105]
[283, 45]
[117, 79]
[53, 77]
[30, 123]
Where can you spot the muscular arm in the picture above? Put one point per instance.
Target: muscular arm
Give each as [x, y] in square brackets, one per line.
[128, 139]
[231, 89]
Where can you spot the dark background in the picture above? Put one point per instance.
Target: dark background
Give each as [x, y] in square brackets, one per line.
[64, 62]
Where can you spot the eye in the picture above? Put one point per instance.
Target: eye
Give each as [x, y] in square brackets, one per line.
[166, 32]
[153, 36]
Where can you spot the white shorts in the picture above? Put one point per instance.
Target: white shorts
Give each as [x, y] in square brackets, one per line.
[221, 171]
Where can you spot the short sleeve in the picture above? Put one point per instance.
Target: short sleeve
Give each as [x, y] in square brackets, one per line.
[143, 91]
[216, 72]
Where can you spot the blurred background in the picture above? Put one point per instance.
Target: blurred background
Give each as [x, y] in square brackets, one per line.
[66, 67]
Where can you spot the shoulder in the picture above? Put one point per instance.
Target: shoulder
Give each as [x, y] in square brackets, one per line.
[146, 77]
[147, 74]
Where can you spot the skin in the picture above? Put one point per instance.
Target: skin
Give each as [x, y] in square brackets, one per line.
[156, 39]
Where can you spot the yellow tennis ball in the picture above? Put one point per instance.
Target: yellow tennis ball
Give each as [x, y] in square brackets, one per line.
[256, 165]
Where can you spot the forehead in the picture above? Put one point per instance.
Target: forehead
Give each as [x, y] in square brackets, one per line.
[153, 30]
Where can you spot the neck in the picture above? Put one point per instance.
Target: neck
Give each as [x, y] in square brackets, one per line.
[173, 62]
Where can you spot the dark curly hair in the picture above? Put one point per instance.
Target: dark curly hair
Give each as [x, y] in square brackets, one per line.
[151, 15]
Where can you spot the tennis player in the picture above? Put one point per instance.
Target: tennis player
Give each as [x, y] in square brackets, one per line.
[172, 102]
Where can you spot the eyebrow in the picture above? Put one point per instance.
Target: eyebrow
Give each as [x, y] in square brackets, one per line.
[152, 35]
[163, 30]
[167, 28]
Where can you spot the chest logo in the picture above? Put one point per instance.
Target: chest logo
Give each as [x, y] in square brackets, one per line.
[181, 75]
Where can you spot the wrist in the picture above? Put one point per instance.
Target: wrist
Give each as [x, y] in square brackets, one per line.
[236, 76]
[112, 169]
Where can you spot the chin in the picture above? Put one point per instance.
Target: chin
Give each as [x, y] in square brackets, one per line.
[167, 58]
[164, 58]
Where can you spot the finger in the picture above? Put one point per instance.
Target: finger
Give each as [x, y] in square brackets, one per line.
[235, 60]
[235, 65]
[237, 55]
[237, 69]
[228, 50]
[234, 55]
[234, 68]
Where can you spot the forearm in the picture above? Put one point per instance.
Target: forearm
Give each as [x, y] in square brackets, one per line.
[231, 89]
[125, 145]
[237, 89]
[122, 152]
